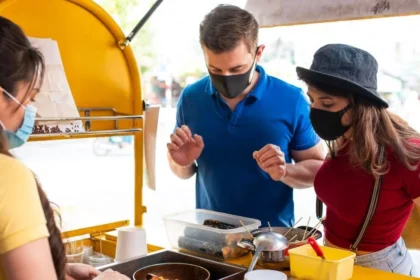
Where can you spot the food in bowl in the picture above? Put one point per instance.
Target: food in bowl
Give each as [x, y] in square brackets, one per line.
[172, 271]
[151, 276]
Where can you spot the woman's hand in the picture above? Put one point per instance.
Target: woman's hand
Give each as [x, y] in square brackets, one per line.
[79, 271]
[111, 275]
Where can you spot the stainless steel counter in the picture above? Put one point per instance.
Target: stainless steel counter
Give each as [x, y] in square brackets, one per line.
[218, 270]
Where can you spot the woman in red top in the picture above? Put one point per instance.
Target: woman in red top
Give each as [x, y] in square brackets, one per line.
[350, 115]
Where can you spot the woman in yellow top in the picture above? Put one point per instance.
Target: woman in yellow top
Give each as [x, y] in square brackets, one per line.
[30, 242]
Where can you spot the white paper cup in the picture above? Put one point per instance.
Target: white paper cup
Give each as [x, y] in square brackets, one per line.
[265, 275]
[131, 244]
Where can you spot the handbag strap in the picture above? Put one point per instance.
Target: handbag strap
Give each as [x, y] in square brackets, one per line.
[372, 205]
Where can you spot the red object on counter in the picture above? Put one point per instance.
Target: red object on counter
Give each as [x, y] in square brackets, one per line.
[316, 247]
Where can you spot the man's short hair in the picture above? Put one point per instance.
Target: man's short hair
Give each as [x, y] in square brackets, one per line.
[226, 26]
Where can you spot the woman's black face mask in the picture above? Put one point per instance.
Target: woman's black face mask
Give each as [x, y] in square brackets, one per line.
[233, 85]
[328, 124]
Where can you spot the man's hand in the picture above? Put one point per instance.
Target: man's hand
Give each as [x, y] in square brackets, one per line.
[271, 160]
[80, 271]
[185, 148]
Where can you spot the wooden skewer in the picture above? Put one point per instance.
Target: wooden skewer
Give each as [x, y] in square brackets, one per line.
[100, 243]
[250, 234]
[316, 228]
[306, 229]
[293, 226]
[313, 230]
[293, 238]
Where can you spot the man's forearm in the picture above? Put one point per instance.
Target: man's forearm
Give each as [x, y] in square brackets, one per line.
[182, 171]
[301, 175]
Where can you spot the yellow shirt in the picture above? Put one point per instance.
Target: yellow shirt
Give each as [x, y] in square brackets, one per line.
[22, 219]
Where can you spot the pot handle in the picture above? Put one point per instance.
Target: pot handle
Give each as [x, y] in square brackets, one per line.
[246, 244]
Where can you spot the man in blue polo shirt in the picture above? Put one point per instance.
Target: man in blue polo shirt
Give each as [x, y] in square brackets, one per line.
[239, 129]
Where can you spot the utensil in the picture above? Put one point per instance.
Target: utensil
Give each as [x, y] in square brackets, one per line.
[277, 260]
[269, 226]
[306, 229]
[269, 242]
[250, 234]
[258, 251]
[173, 271]
[314, 229]
[316, 248]
[293, 226]
[293, 238]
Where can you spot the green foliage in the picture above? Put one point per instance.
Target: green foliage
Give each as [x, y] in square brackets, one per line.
[127, 13]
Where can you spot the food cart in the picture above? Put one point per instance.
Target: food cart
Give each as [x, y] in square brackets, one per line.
[106, 86]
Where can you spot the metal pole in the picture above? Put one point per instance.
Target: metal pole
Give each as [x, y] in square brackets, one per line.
[139, 25]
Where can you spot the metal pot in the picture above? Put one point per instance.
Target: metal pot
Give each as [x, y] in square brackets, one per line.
[266, 256]
[279, 259]
[173, 271]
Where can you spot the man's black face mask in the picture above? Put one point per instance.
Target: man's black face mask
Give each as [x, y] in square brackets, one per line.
[233, 85]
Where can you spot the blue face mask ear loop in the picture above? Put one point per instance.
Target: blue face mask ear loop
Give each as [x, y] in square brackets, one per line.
[12, 97]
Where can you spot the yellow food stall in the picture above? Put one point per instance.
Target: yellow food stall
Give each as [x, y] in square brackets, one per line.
[106, 86]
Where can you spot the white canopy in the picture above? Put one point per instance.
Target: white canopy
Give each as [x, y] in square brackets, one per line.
[291, 12]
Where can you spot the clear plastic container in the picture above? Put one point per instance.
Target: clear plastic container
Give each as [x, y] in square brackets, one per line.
[186, 232]
[87, 252]
[99, 260]
[75, 258]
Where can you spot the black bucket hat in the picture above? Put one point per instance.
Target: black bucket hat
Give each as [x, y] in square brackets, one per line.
[345, 67]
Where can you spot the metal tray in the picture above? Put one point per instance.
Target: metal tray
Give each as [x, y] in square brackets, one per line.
[218, 270]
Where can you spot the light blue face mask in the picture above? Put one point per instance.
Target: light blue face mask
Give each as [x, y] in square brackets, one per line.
[21, 136]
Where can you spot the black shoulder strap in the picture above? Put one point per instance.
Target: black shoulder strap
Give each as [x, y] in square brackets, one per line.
[372, 205]
[319, 208]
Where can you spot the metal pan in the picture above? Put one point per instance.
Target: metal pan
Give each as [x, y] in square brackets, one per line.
[280, 259]
[173, 271]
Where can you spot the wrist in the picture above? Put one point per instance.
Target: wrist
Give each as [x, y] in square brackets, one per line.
[285, 176]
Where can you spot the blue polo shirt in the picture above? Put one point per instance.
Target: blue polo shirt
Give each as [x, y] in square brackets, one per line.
[228, 178]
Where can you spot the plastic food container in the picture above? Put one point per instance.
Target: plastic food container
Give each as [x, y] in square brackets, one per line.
[305, 264]
[186, 232]
[75, 258]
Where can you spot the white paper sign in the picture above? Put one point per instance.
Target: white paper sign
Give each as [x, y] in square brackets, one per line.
[55, 98]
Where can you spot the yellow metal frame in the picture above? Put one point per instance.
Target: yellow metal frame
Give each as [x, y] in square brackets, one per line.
[100, 74]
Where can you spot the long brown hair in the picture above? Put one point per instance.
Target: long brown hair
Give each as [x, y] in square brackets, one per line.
[20, 62]
[373, 126]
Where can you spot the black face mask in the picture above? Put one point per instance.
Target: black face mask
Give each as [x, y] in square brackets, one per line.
[233, 85]
[328, 124]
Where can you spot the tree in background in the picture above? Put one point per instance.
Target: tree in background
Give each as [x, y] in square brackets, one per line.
[127, 13]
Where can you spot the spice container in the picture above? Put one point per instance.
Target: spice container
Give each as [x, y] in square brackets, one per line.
[75, 258]
[74, 253]
[99, 260]
[87, 252]
[208, 233]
